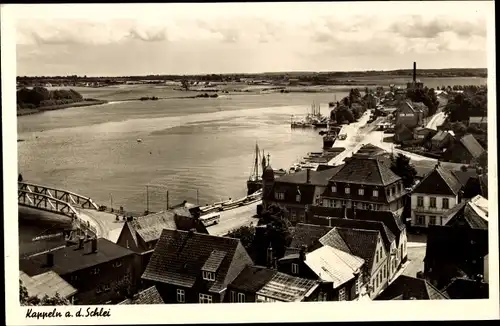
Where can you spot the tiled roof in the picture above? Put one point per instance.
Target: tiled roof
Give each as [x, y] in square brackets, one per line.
[365, 170]
[370, 149]
[473, 147]
[48, 283]
[474, 214]
[456, 210]
[389, 225]
[213, 262]
[334, 239]
[287, 288]
[252, 279]
[362, 243]
[71, 259]
[318, 178]
[149, 227]
[440, 182]
[463, 288]
[307, 234]
[148, 296]
[179, 257]
[410, 288]
[464, 176]
[334, 265]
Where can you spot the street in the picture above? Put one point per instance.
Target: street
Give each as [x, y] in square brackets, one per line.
[235, 218]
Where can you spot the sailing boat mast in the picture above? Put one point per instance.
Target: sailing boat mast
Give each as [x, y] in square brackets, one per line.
[256, 161]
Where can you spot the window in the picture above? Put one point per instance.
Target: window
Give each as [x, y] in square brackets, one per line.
[106, 288]
[334, 188]
[297, 198]
[98, 290]
[322, 296]
[373, 284]
[181, 295]
[381, 253]
[446, 203]
[117, 264]
[74, 277]
[420, 201]
[385, 271]
[393, 190]
[241, 297]
[293, 214]
[205, 298]
[279, 195]
[347, 190]
[208, 276]
[361, 192]
[375, 193]
[432, 203]
[432, 220]
[420, 220]
[342, 294]
[95, 271]
[380, 277]
[233, 296]
[295, 268]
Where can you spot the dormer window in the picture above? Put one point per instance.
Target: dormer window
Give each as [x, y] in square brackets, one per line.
[279, 195]
[361, 191]
[375, 193]
[334, 188]
[208, 276]
[347, 190]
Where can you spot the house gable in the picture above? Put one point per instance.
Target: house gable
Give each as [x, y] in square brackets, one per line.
[435, 183]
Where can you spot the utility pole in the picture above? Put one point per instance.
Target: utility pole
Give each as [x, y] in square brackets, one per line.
[147, 199]
[111, 200]
[167, 200]
[197, 198]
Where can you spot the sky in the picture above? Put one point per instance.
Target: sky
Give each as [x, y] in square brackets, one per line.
[150, 39]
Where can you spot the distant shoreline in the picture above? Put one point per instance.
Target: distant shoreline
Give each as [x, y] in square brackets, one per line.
[87, 102]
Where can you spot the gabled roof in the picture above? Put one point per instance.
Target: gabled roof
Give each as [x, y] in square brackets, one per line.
[334, 265]
[287, 288]
[291, 191]
[361, 243]
[70, 259]
[334, 239]
[440, 182]
[440, 136]
[179, 257]
[252, 278]
[317, 178]
[474, 212]
[149, 227]
[463, 288]
[307, 234]
[48, 283]
[411, 288]
[365, 170]
[471, 145]
[464, 176]
[389, 225]
[147, 296]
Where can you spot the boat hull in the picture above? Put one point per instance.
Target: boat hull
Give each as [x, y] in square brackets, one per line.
[253, 186]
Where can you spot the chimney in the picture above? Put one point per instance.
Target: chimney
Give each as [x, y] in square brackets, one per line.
[302, 253]
[269, 256]
[93, 244]
[308, 175]
[414, 72]
[50, 259]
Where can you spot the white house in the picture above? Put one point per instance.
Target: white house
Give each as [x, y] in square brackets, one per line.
[438, 192]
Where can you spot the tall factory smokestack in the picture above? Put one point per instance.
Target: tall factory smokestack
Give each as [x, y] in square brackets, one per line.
[414, 72]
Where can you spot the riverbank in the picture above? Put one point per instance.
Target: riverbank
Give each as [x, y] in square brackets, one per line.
[86, 102]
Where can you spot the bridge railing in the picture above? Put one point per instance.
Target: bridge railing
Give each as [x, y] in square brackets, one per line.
[60, 194]
[45, 202]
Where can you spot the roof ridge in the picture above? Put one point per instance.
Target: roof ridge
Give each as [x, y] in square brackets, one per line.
[441, 173]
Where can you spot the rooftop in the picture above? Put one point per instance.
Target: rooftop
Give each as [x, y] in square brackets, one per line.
[317, 178]
[287, 288]
[439, 181]
[71, 259]
[307, 234]
[334, 265]
[48, 283]
[149, 227]
[253, 278]
[472, 145]
[365, 170]
[180, 256]
[463, 288]
[148, 296]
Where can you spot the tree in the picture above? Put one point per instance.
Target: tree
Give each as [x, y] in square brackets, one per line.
[246, 234]
[27, 300]
[401, 166]
[185, 84]
[277, 233]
